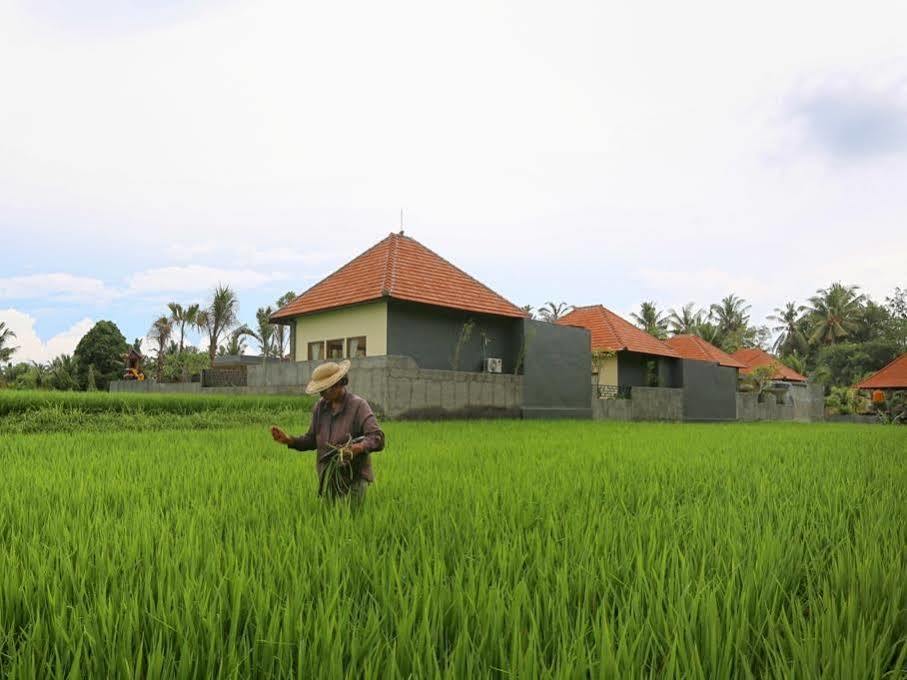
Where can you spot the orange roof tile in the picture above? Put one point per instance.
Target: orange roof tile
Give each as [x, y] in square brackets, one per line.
[612, 333]
[694, 347]
[891, 376]
[753, 357]
[402, 268]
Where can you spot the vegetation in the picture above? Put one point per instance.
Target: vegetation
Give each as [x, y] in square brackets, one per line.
[99, 356]
[547, 550]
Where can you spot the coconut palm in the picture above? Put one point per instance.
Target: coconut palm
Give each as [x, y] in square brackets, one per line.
[529, 311]
[6, 348]
[237, 343]
[219, 318]
[182, 317]
[686, 321]
[63, 370]
[651, 320]
[551, 311]
[160, 333]
[282, 331]
[264, 331]
[731, 315]
[790, 327]
[833, 313]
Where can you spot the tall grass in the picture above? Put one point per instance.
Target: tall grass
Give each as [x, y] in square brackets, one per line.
[485, 549]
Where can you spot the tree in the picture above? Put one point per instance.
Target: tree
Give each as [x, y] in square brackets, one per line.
[63, 372]
[651, 320]
[219, 318]
[237, 344]
[897, 308]
[731, 315]
[528, 309]
[101, 349]
[6, 348]
[686, 321]
[160, 333]
[182, 317]
[182, 366]
[264, 332]
[846, 363]
[551, 311]
[282, 331]
[833, 313]
[791, 329]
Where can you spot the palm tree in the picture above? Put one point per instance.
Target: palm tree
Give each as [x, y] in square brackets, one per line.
[282, 331]
[833, 313]
[265, 331]
[237, 344]
[184, 316]
[551, 312]
[529, 311]
[789, 320]
[686, 321]
[731, 315]
[6, 336]
[219, 318]
[160, 332]
[63, 370]
[651, 320]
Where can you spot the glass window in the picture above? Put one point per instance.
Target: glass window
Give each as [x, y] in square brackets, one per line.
[355, 347]
[316, 351]
[335, 349]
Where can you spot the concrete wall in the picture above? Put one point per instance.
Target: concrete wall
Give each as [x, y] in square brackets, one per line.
[631, 370]
[368, 319]
[804, 403]
[645, 403]
[709, 391]
[429, 335]
[556, 371]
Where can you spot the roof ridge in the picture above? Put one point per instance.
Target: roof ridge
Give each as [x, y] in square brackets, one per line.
[329, 276]
[471, 278]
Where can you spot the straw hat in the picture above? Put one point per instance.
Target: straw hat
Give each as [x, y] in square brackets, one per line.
[326, 375]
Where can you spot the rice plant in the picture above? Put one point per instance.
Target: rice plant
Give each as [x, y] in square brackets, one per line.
[485, 550]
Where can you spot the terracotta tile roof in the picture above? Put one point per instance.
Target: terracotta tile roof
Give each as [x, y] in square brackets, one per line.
[754, 357]
[892, 376]
[402, 268]
[694, 347]
[612, 333]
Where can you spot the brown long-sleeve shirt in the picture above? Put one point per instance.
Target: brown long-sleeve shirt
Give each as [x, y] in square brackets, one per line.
[354, 419]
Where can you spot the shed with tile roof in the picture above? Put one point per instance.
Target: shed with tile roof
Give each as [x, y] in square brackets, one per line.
[636, 359]
[709, 379]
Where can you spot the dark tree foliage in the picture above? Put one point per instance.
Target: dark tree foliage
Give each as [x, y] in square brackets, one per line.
[847, 363]
[102, 348]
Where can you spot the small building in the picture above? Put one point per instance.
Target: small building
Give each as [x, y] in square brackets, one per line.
[889, 378]
[708, 376]
[624, 356]
[755, 357]
[398, 298]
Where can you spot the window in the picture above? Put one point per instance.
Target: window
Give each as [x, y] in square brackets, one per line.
[316, 351]
[355, 347]
[335, 349]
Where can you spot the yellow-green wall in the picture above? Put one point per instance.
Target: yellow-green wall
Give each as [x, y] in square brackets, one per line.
[369, 320]
[607, 371]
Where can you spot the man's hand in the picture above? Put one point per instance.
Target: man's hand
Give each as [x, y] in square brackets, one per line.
[347, 453]
[280, 436]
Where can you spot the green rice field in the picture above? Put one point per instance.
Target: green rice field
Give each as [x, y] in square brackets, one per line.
[486, 549]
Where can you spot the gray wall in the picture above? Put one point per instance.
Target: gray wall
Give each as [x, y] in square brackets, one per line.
[631, 370]
[709, 390]
[556, 369]
[645, 403]
[429, 335]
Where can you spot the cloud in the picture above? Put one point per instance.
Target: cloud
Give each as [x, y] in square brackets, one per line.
[197, 278]
[852, 121]
[59, 287]
[32, 347]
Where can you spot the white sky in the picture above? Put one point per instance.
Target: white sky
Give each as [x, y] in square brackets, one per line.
[586, 152]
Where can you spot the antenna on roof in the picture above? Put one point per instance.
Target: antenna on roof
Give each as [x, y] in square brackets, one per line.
[401, 221]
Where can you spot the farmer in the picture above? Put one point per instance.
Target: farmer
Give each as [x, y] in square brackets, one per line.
[344, 431]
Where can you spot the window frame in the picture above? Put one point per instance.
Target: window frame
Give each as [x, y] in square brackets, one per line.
[364, 339]
[309, 350]
[327, 348]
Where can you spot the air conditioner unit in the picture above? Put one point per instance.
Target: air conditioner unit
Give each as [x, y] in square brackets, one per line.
[493, 365]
